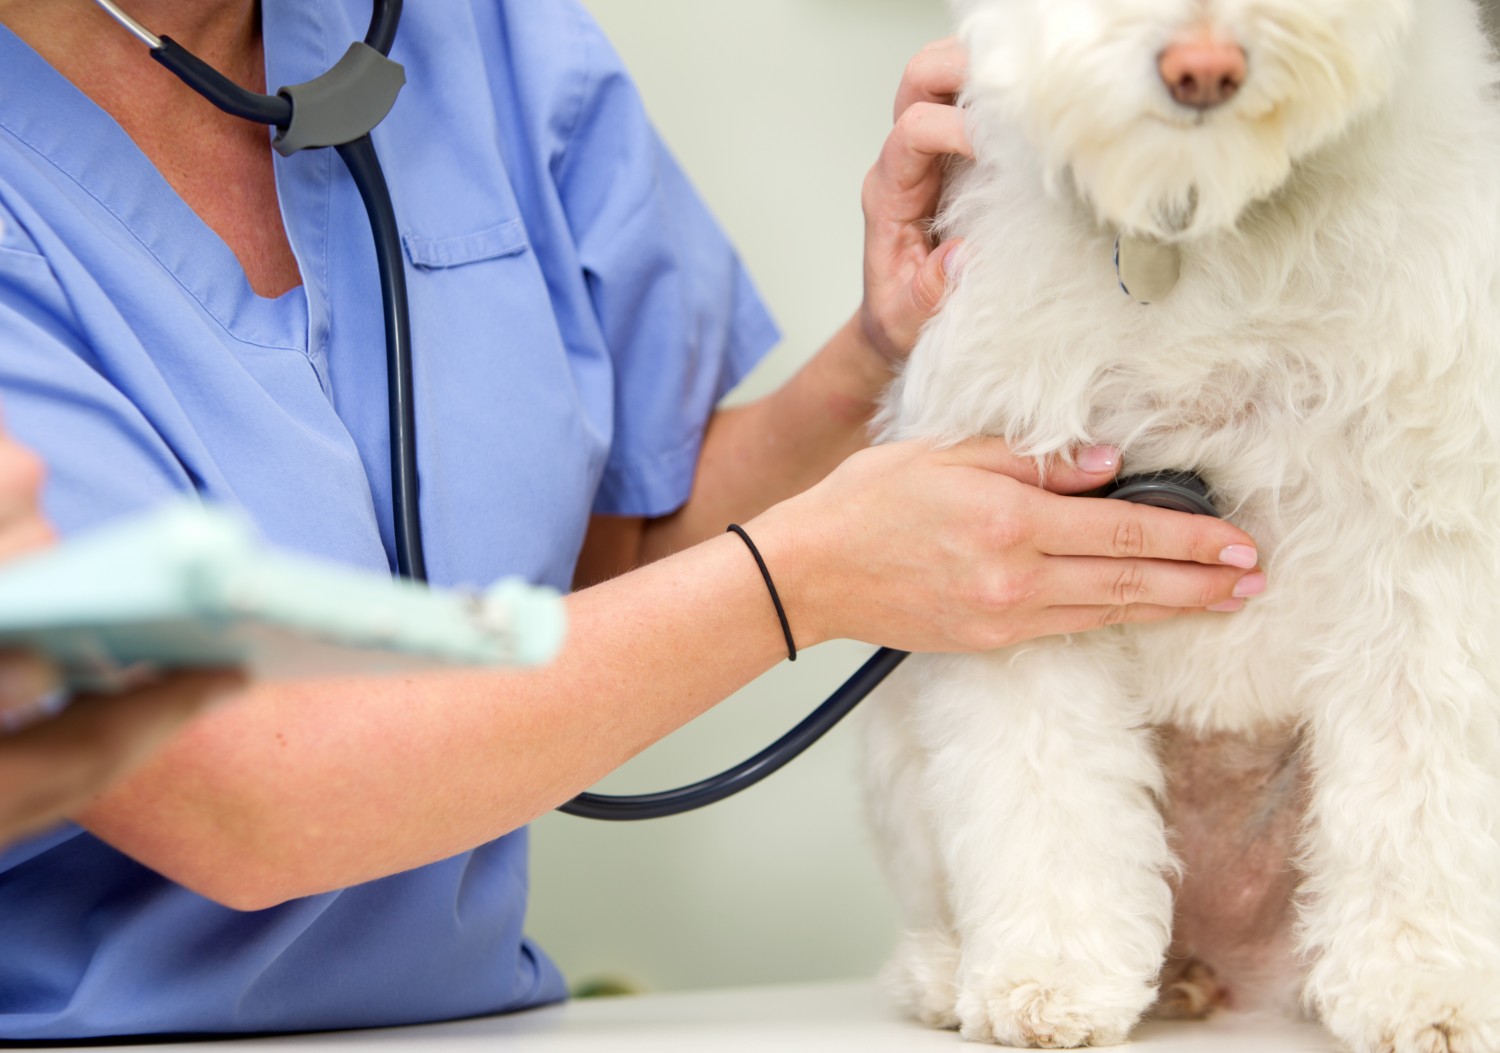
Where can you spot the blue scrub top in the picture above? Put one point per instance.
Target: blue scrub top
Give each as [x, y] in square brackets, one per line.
[577, 315]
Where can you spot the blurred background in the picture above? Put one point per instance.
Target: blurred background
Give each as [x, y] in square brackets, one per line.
[776, 109]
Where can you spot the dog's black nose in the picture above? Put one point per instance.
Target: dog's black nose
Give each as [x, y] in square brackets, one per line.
[1203, 71]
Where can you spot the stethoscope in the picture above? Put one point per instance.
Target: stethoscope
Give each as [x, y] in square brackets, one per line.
[340, 109]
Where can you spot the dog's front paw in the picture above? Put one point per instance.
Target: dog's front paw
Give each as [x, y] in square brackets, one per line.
[922, 977]
[1416, 1012]
[1051, 1008]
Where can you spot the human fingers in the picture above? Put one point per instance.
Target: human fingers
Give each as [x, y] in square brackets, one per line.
[930, 284]
[1098, 582]
[165, 703]
[21, 476]
[905, 277]
[1064, 621]
[936, 74]
[1089, 469]
[54, 768]
[909, 171]
[22, 473]
[25, 680]
[1122, 530]
[24, 536]
[119, 725]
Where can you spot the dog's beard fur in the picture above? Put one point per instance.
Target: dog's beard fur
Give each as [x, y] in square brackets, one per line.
[1080, 77]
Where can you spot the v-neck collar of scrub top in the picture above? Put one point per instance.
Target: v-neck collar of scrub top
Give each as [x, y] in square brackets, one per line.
[90, 148]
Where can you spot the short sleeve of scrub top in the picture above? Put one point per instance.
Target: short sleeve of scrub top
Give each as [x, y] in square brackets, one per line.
[577, 315]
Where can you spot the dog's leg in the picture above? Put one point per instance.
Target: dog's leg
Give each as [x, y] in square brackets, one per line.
[1041, 786]
[1402, 850]
[921, 976]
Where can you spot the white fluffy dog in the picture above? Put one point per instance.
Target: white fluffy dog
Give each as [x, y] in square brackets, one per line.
[1315, 781]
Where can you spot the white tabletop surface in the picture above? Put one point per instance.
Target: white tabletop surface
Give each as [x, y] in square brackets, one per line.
[801, 1019]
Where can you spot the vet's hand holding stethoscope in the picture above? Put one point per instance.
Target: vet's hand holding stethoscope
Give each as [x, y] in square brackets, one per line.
[301, 789]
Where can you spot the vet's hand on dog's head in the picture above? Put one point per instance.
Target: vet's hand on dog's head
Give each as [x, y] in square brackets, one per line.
[905, 274]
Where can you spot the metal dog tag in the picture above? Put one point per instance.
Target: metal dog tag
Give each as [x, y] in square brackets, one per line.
[1148, 269]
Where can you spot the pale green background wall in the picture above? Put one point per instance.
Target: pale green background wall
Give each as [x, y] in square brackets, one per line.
[776, 108]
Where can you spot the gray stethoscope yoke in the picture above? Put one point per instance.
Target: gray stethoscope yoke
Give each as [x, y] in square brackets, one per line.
[339, 110]
[343, 104]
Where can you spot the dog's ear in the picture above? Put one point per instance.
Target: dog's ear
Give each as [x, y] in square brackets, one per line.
[1489, 10]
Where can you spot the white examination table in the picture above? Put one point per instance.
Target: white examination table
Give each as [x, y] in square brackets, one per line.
[811, 1018]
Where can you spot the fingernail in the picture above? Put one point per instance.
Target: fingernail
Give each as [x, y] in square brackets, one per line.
[1228, 607]
[23, 680]
[17, 719]
[952, 263]
[1250, 585]
[1097, 460]
[1242, 556]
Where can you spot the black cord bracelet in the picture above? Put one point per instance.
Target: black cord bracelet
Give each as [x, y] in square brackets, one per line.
[786, 628]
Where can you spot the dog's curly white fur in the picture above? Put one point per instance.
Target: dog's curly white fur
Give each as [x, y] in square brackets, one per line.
[1330, 364]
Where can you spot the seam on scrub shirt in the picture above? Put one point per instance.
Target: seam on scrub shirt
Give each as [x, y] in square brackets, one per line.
[137, 239]
[651, 484]
[13, 252]
[14, 235]
[583, 28]
[317, 357]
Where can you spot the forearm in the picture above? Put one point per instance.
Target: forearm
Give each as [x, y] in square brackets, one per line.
[48, 770]
[301, 789]
[304, 788]
[761, 453]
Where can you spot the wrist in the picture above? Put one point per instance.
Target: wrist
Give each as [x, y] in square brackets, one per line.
[872, 335]
[775, 594]
[879, 356]
[858, 373]
[794, 559]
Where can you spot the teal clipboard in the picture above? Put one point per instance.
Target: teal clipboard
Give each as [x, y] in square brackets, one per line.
[190, 586]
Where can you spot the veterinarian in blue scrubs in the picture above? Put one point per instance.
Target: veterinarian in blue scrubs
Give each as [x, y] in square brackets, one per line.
[354, 854]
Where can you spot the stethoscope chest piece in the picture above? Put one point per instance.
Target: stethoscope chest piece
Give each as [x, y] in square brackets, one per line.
[1177, 491]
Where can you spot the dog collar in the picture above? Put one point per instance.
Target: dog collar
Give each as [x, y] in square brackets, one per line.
[1148, 269]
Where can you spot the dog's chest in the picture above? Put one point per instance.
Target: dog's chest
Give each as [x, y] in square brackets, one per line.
[1222, 390]
[1256, 351]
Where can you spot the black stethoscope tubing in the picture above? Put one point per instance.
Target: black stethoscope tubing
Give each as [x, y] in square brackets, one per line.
[363, 162]
[1177, 491]
[361, 159]
[745, 775]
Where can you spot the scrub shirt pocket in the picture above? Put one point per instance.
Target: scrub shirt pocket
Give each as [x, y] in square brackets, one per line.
[488, 348]
[492, 243]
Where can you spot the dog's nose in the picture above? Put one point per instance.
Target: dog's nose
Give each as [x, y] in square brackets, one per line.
[1202, 71]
